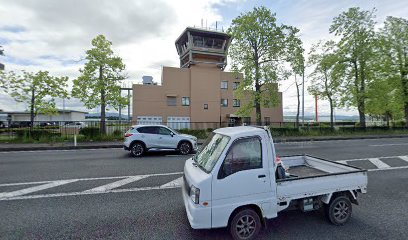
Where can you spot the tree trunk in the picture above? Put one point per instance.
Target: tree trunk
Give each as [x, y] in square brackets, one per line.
[258, 96]
[404, 83]
[32, 115]
[103, 106]
[331, 114]
[298, 102]
[329, 96]
[361, 102]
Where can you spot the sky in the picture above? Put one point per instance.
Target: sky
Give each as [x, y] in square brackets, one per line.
[54, 35]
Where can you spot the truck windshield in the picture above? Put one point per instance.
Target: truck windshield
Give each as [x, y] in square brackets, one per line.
[211, 151]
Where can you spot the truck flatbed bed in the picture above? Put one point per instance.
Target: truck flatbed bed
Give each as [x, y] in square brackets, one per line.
[305, 171]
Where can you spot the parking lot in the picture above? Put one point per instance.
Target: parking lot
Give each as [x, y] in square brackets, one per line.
[105, 194]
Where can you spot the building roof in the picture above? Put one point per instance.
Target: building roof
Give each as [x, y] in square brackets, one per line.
[58, 110]
[203, 30]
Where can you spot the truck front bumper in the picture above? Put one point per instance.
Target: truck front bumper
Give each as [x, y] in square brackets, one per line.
[198, 216]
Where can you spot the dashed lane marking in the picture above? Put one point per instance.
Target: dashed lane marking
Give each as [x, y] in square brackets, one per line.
[116, 184]
[378, 163]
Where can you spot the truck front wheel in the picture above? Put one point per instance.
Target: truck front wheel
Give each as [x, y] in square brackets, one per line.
[338, 211]
[246, 224]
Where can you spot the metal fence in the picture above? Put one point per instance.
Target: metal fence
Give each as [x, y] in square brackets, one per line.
[117, 128]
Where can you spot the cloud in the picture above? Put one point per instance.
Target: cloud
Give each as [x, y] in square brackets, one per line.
[54, 35]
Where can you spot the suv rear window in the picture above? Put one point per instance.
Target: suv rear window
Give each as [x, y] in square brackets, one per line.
[149, 130]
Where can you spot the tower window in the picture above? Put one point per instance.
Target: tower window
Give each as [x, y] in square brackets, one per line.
[224, 102]
[185, 101]
[224, 84]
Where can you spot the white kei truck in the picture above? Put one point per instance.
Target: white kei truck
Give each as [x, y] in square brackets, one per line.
[234, 181]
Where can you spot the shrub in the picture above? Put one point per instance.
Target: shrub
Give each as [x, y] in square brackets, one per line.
[117, 133]
[90, 132]
[198, 133]
[36, 134]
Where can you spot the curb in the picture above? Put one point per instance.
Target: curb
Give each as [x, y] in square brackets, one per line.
[277, 140]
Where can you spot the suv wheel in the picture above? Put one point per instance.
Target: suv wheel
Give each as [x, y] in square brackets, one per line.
[185, 148]
[137, 149]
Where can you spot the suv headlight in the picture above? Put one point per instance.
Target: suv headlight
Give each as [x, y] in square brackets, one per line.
[195, 194]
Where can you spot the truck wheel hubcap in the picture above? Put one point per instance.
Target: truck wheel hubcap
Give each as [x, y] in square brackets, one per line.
[245, 226]
[341, 211]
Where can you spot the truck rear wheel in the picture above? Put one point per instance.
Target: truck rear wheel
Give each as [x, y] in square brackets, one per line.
[339, 210]
[246, 224]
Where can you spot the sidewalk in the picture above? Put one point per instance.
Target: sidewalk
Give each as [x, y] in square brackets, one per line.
[5, 147]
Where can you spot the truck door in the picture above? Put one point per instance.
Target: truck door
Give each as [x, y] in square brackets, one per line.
[243, 178]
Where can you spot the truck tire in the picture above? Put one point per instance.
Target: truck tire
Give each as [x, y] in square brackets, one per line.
[245, 224]
[339, 210]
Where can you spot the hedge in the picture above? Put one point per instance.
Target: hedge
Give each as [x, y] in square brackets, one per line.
[198, 133]
[35, 134]
[90, 132]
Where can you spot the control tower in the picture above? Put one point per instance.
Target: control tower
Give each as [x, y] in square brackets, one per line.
[202, 46]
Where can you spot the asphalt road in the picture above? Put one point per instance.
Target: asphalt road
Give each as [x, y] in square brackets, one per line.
[58, 195]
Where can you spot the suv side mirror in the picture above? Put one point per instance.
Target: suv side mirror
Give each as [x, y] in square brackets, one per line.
[172, 134]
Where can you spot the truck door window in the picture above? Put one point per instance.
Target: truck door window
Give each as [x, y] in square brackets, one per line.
[244, 154]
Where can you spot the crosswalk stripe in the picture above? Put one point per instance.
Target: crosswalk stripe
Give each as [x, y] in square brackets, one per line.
[116, 184]
[175, 183]
[34, 189]
[405, 158]
[378, 163]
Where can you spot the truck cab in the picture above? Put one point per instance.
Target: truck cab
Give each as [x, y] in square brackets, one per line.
[232, 181]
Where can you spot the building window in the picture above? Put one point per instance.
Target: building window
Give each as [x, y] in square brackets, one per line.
[171, 101]
[224, 102]
[247, 120]
[235, 85]
[185, 101]
[267, 120]
[224, 84]
[205, 106]
[236, 103]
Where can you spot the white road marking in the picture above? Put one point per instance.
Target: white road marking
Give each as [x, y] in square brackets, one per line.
[34, 189]
[89, 179]
[116, 184]
[175, 183]
[343, 161]
[391, 168]
[364, 159]
[405, 158]
[85, 193]
[378, 163]
[389, 144]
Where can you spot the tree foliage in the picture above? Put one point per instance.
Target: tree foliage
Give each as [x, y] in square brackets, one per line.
[258, 50]
[98, 83]
[355, 28]
[37, 90]
[326, 76]
[392, 64]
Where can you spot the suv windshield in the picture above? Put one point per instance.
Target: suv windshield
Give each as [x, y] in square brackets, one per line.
[211, 151]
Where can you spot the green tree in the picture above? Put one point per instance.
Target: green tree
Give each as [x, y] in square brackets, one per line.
[326, 76]
[297, 62]
[394, 58]
[258, 50]
[356, 31]
[37, 90]
[98, 83]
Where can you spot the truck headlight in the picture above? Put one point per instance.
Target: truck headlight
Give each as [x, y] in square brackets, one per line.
[195, 194]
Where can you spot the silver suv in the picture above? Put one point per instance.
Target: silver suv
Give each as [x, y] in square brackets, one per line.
[142, 138]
